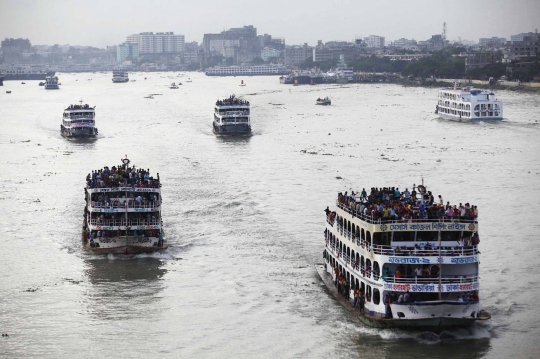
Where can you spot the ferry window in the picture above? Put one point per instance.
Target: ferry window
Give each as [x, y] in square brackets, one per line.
[427, 236]
[376, 296]
[381, 238]
[368, 237]
[450, 236]
[403, 236]
[368, 294]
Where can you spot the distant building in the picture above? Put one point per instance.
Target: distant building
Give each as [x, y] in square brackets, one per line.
[492, 42]
[525, 47]
[242, 44]
[407, 57]
[374, 41]
[478, 59]
[127, 51]
[405, 44]
[158, 43]
[295, 55]
[269, 52]
[16, 46]
[334, 50]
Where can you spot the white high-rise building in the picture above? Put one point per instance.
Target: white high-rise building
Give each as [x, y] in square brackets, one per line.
[158, 43]
[374, 41]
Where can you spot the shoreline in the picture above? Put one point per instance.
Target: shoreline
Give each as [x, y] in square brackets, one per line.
[440, 84]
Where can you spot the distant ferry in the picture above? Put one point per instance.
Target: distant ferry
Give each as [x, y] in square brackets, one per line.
[466, 104]
[231, 117]
[79, 121]
[51, 83]
[251, 70]
[24, 73]
[120, 76]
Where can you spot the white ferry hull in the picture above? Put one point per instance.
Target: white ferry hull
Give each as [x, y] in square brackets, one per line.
[78, 132]
[465, 119]
[125, 245]
[238, 130]
[120, 80]
[422, 321]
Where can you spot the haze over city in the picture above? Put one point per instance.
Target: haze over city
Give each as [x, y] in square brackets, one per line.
[100, 23]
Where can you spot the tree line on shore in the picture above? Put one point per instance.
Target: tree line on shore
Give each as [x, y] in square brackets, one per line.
[442, 64]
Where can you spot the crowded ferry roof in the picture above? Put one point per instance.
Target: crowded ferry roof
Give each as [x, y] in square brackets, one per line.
[79, 107]
[389, 204]
[232, 100]
[121, 176]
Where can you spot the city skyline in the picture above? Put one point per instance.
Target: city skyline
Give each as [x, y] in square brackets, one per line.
[74, 22]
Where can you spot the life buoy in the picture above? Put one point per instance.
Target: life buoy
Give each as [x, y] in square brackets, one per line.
[422, 189]
[125, 161]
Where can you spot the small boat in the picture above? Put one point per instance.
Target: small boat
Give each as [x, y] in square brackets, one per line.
[23, 83]
[324, 101]
[242, 83]
[173, 86]
[42, 84]
[188, 80]
[8, 91]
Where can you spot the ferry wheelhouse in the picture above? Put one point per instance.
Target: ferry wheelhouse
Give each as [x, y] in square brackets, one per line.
[79, 121]
[232, 116]
[412, 263]
[51, 83]
[122, 214]
[120, 76]
[465, 104]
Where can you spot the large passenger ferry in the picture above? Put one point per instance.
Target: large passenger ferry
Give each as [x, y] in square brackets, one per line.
[465, 104]
[251, 70]
[400, 259]
[122, 214]
[51, 83]
[79, 121]
[232, 117]
[120, 76]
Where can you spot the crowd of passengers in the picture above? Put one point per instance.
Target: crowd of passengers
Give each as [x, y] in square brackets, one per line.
[119, 176]
[142, 200]
[389, 204]
[78, 107]
[232, 100]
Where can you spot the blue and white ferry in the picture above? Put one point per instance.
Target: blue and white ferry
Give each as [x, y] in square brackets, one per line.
[468, 104]
[416, 268]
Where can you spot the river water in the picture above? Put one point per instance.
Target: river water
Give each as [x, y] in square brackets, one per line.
[245, 221]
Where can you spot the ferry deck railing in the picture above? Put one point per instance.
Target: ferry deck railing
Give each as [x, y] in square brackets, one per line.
[122, 222]
[119, 204]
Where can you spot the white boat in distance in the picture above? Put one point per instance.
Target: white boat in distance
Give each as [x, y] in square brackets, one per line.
[120, 76]
[251, 70]
[468, 104]
[51, 83]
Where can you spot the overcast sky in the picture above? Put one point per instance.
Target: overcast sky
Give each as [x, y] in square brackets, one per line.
[107, 22]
